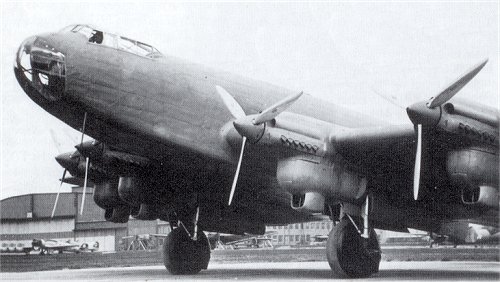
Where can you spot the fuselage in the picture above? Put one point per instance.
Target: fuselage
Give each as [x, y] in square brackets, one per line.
[168, 101]
[167, 109]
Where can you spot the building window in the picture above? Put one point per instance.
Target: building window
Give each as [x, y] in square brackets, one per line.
[297, 238]
[280, 238]
[323, 225]
[308, 238]
[296, 226]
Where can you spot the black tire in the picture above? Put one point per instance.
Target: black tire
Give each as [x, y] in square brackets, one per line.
[182, 255]
[349, 254]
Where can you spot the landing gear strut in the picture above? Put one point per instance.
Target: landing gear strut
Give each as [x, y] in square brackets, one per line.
[349, 254]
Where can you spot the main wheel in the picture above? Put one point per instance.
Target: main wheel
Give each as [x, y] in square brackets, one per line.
[349, 254]
[182, 255]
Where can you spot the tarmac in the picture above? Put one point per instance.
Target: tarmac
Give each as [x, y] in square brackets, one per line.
[290, 271]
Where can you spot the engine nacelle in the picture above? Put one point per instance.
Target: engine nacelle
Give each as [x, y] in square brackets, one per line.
[481, 196]
[303, 174]
[476, 173]
[132, 190]
[119, 214]
[150, 212]
[106, 194]
[310, 202]
[480, 167]
[145, 212]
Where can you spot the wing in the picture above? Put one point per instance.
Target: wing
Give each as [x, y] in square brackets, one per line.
[378, 150]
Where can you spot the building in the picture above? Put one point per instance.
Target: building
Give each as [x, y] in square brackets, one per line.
[26, 217]
[300, 234]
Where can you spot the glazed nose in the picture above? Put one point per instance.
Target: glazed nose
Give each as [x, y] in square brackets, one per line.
[23, 57]
[41, 66]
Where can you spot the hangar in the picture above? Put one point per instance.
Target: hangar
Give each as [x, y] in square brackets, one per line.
[26, 217]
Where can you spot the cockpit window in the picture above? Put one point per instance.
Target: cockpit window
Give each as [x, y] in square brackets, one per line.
[85, 30]
[96, 36]
[118, 42]
[136, 47]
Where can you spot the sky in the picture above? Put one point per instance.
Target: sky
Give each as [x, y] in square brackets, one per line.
[349, 53]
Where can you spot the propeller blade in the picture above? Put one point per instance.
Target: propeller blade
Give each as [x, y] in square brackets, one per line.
[58, 192]
[276, 109]
[418, 163]
[83, 127]
[233, 187]
[239, 114]
[231, 104]
[453, 89]
[85, 184]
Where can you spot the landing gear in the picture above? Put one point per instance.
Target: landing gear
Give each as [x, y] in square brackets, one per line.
[185, 255]
[349, 254]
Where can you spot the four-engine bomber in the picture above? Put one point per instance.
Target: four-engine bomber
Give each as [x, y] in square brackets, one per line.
[211, 151]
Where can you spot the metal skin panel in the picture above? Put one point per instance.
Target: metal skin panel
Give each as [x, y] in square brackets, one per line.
[307, 174]
[168, 110]
[481, 168]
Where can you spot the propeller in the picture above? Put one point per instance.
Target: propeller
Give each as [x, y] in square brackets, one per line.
[231, 104]
[249, 126]
[426, 115]
[58, 192]
[85, 184]
[68, 161]
[58, 147]
[86, 165]
[418, 163]
[237, 111]
[456, 86]
[276, 109]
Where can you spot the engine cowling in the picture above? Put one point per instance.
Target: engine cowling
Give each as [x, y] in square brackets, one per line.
[480, 167]
[310, 202]
[106, 194]
[476, 173]
[317, 179]
[481, 196]
[118, 214]
[132, 190]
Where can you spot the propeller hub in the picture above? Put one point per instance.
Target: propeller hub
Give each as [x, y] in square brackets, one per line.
[420, 113]
[246, 128]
